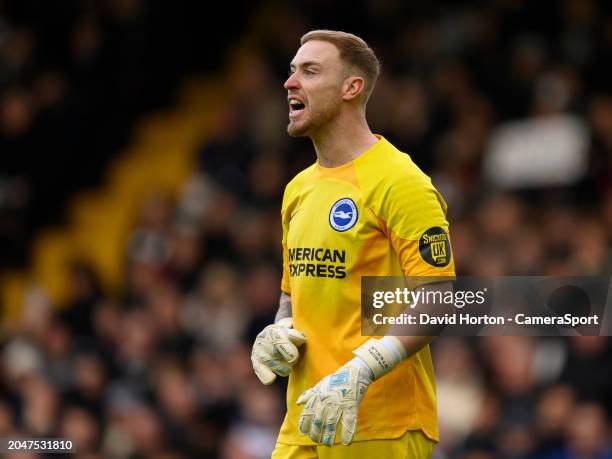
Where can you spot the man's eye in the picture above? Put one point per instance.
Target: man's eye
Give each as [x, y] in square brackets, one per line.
[305, 71]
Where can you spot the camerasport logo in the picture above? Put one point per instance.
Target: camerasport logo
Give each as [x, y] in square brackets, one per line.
[434, 247]
[343, 215]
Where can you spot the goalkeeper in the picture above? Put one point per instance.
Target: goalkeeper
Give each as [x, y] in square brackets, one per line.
[363, 209]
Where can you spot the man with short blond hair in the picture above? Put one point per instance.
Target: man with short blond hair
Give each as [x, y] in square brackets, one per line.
[363, 209]
[355, 53]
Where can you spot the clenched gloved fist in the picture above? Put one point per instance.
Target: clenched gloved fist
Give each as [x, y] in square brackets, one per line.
[275, 350]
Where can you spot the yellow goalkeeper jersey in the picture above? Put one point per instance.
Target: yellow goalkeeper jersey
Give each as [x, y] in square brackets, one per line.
[378, 215]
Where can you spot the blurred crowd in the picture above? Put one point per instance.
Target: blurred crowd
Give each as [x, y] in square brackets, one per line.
[74, 78]
[504, 103]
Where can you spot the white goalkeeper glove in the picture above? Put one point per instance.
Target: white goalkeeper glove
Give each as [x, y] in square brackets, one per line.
[338, 395]
[275, 350]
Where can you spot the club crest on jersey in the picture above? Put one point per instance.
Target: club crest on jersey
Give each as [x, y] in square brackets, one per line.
[343, 214]
[434, 247]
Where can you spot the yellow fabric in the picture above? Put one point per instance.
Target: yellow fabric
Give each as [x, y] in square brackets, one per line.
[412, 445]
[396, 205]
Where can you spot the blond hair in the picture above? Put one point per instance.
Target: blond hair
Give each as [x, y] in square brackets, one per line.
[353, 51]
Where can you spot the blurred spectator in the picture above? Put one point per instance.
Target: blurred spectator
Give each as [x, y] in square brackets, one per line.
[215, 313]
[538, 153]
[587, 434]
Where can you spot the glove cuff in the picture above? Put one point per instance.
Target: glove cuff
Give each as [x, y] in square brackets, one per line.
[381, 355]
[286, 322]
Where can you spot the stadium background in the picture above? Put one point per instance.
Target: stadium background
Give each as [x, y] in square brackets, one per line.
[143, 156]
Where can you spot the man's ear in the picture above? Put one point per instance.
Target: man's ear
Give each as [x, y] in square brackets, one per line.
[353, 87]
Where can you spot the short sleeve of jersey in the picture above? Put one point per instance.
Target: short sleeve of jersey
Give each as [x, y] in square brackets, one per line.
[415, 217]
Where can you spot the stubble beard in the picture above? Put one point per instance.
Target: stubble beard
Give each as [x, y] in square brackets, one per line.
[317, 120]
[301, 129]
[295, 131]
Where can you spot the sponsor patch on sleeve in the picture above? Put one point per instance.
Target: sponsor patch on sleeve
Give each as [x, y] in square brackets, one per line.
[434, 247]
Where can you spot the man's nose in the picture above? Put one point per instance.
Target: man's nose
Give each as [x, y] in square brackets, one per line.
[292, 82]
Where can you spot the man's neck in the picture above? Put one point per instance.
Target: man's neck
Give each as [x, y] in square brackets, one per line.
[342, 141]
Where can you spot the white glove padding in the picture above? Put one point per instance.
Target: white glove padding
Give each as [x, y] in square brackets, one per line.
[335, 397]
[338, 395]
[275, 350]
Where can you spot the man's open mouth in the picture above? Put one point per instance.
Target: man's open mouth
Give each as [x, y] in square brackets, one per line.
[295, 106]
